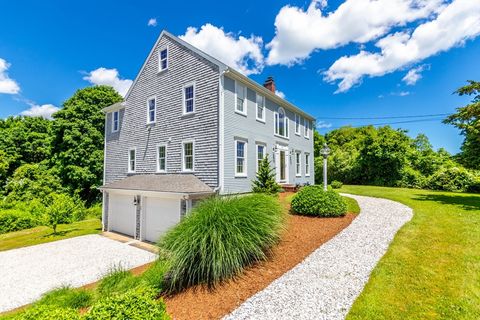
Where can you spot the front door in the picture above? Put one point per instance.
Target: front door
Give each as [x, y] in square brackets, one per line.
[281, 164]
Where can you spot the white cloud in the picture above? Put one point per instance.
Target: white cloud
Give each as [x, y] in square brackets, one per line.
[299, 32]
[109, 77]
[152, 22]
[7, 85]
[280, 94]
[44, 111]
[243, 54]
[455, 24]
[413, 75]
[323, 125]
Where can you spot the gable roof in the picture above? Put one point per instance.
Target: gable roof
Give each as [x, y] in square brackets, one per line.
[174, 183]
[224, 69]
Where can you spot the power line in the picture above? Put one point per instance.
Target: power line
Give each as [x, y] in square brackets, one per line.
[393, 117]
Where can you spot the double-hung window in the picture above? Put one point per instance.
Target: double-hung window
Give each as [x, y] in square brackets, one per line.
[260, 154]
[189, 98]
[240, 158]
[188, 156]
[151, 109]
[298, 167]
[132, 160]
[162, 158]
[307, 128]
[163, 59]
[307, 164]
[297, 124]
[260, 108]
[115, 121]
[281, 123]
[241, 101]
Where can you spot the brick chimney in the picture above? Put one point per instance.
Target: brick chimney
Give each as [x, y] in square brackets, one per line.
[270, 84]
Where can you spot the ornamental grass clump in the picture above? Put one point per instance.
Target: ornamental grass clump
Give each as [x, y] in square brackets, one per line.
[314, 201]
[221, 237]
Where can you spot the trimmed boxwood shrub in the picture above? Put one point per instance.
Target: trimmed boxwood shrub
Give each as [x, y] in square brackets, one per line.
[336, 184]
[135, 304]
[221, 237]
[314, 201]
[14, 220]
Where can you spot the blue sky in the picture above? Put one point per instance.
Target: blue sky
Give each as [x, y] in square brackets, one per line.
[50, 48]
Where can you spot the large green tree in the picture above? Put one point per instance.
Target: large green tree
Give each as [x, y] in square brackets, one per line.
[78, 137]
[467, 119]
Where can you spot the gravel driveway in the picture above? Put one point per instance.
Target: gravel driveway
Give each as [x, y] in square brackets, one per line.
[326, 283]
[27, 273]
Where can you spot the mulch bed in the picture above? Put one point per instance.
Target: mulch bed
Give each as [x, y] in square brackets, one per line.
[302, 236]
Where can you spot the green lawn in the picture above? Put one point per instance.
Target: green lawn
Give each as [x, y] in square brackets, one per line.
[42, 234]
[432, 268]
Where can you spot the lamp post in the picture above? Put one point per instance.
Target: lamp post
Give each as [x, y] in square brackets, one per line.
[325, 151]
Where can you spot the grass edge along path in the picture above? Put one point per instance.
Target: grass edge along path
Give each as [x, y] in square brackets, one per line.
[43, 234]
[432, 267]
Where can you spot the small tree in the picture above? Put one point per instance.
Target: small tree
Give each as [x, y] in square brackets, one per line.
[62, 209]
[265, 179]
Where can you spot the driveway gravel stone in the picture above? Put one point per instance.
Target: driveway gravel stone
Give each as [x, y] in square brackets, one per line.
[27, 273]
[326, 283]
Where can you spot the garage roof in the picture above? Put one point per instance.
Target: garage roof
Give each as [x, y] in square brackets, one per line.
[175, 183]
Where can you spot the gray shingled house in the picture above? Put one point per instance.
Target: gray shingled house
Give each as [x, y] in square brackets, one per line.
[191, 126]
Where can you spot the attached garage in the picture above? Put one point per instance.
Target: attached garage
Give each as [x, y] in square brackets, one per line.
[146, 206]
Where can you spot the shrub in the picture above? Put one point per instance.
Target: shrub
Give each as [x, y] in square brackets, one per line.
[62, 209]
[95, 211]
[452, 179]
[314, 201]
[14, 220]
[336, 184]
[412, 178]
[67, 298]
[221, 237]
[135, 304]
[47, 312]
[265, 180]
[116, 281]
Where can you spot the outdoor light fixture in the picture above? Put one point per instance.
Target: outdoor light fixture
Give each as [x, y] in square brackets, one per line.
[325, 151]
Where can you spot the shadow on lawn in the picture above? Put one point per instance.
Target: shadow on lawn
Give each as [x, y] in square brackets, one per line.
[465, 202]
[60, 233]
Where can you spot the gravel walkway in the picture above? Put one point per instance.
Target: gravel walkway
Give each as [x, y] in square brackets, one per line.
[326, 283]
[27, 273]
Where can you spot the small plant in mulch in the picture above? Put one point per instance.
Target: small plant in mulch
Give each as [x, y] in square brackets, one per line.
[314, 201]
[265, 178]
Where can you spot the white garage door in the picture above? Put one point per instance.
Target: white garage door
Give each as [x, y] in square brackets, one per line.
[122, 214]
[160, 215]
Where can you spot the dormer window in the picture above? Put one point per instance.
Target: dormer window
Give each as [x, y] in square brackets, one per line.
[151, 110]
[281, 123]
[115, 121]
[163, 59]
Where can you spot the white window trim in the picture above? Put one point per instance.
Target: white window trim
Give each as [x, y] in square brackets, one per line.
[113, 121]
[298, 118]
[245, 100]
[245, 158]
[130, 159]
[299, 172]
[287, 130]
[155, 110]
[258, 144]
[256, 108]
[184, 142]
[307, 172]
[184, 105]
[306, 124]
[159, 59]
[158, 159]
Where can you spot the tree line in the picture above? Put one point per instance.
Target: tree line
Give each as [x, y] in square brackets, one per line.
[389, 157]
